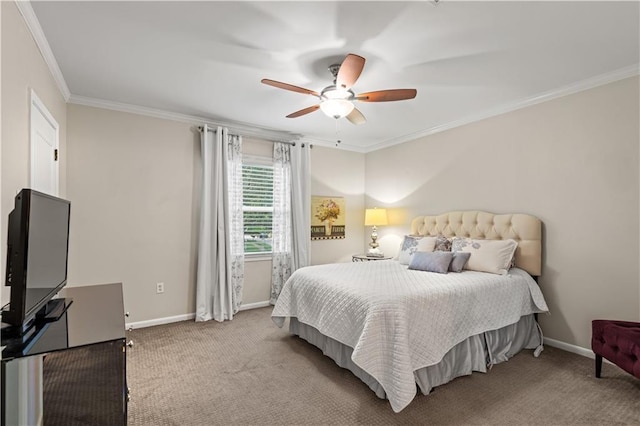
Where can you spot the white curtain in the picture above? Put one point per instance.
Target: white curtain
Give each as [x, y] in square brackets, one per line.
[301, 204]
[291, 213]
[220, 271]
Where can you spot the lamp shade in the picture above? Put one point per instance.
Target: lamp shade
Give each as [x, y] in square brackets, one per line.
[375, 217]
[336, 108]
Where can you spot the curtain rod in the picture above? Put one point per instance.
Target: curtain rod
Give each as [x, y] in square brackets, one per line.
[212, 130]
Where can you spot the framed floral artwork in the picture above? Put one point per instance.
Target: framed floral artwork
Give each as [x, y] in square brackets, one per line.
[327, 218]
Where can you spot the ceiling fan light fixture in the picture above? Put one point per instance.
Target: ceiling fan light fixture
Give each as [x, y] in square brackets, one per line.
[333, 92]
[336, 108]
[336, 100]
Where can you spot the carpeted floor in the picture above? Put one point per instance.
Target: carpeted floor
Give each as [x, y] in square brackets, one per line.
[249, 372]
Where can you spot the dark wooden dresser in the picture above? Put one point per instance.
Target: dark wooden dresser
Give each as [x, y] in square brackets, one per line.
[83, 363]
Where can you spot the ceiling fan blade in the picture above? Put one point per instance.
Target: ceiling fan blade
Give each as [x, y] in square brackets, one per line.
[356, 117]
[350, 70]
[303, 111]
[291, 87]
[387, 95]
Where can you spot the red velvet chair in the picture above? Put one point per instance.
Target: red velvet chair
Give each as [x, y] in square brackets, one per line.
[617, 341]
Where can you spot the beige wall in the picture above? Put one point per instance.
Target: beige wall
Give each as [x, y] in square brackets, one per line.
[573, 162]
[23, 69]
[339, 173]
[133, 187]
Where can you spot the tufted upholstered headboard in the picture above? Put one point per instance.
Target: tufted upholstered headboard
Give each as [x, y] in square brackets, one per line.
[524, 228]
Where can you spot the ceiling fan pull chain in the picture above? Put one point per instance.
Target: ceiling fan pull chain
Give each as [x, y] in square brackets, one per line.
[338, 132]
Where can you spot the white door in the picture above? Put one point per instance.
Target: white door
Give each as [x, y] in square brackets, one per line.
[44, 148]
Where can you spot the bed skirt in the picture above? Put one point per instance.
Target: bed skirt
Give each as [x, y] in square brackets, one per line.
[477, 353]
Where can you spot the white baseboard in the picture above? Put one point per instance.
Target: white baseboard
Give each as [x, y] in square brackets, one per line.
[186, 317]
[160, 321]
[256, 305]
[569, 348]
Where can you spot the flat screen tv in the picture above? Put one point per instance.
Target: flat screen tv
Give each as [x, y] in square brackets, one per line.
[37, 252]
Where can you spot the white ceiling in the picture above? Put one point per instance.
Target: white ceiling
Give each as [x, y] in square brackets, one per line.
[466, 59]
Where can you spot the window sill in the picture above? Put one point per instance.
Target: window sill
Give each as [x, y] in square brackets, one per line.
[259, 257]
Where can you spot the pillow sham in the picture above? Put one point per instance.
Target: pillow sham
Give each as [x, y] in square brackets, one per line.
[412, 244]
[436, 261]
[493, 256]
[459, 261]
[442, 243]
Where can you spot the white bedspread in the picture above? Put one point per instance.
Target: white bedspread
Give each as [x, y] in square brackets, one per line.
[399, 320]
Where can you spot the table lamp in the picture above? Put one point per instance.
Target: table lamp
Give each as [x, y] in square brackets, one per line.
[375, 217]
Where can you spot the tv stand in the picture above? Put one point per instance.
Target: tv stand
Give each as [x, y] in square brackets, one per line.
[86, 336]
[53, 310]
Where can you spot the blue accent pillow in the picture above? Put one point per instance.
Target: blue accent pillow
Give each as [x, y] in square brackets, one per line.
[459, 260]
[431, 261]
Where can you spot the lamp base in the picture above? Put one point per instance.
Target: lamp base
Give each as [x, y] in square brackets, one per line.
[374, 252]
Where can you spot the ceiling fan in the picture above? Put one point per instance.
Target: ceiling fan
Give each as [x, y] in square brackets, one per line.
[336, 100]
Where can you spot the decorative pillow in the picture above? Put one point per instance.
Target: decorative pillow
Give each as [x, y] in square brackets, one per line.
[492, 256]
[412, 244]
[436, 261]
[460, 259]
[442, 243]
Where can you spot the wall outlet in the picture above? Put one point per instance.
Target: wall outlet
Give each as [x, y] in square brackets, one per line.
[159, 288]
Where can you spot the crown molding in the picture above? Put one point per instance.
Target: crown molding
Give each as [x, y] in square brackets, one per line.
[249, 130]
[30, 18]
[243, 129]
[332, 144]
[590, 83]
[271, 134]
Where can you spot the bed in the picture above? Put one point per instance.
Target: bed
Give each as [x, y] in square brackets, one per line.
[399, 329]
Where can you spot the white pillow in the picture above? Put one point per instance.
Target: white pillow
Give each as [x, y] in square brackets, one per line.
[412, 244]
[492, 256]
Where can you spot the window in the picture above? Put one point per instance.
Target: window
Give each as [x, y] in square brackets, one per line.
[257, 186]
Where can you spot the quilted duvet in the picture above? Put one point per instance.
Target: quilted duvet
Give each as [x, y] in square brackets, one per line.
[399, 320]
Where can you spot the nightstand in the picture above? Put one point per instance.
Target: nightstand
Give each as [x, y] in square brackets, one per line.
[365, 258]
